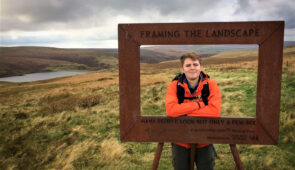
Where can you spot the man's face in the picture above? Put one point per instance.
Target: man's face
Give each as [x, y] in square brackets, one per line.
[191, 69]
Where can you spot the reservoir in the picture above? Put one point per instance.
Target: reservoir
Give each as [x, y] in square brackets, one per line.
[40, 76]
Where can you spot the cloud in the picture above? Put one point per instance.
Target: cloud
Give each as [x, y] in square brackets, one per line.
[95, 21]
[36, 15]
[287, 13]
[267, 10]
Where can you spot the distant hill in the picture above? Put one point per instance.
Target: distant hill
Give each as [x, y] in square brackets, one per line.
[289, 43]
[210, 49]
[205, 49]
[22, 60]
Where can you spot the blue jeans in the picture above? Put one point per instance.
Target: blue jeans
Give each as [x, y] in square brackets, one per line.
[204, 158]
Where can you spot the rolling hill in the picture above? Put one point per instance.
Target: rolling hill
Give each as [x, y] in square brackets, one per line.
[22, 60]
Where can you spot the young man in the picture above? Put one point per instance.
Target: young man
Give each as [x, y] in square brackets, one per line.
[193, 81]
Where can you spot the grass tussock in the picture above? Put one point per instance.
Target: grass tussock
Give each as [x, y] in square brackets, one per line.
[73, 122]
[68, 102]
[111, 150]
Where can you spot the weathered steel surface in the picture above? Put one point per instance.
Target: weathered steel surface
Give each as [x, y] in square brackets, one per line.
[189, 129]
[129, 76]
[200, 33]
[269, 83]
[263, 129]
[192, 161]
[157, 156]
[236, 156]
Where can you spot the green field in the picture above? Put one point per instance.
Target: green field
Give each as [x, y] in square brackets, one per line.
[73, 122]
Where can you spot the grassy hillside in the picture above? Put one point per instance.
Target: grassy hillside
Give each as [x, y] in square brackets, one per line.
[73, 122]
[22, 60]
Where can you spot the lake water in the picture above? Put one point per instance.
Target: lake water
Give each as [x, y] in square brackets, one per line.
[39, 76]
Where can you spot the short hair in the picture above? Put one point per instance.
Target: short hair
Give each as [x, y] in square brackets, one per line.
[192, 56]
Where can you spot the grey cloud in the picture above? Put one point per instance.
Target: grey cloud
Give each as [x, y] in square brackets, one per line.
[288, 14]
[243, 6]
[51, 10]
[281, 10]
[73, 12]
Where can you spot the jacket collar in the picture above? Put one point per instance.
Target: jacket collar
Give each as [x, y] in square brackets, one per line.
[181, 77]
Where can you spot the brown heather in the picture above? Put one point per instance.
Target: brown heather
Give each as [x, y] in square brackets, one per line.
[73, 122]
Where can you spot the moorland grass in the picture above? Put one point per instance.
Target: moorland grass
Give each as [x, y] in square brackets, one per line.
[43, 125]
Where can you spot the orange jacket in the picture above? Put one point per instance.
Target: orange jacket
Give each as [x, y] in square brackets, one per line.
[194, 107]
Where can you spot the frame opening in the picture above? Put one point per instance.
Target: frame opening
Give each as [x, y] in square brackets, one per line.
[233, 67]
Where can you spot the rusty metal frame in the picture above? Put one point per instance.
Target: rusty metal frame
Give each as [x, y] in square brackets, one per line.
[262, 129]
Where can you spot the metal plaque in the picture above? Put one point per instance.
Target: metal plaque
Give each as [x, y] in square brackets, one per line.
[262, 129]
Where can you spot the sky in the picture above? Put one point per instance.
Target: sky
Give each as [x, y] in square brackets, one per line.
[93, 23]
